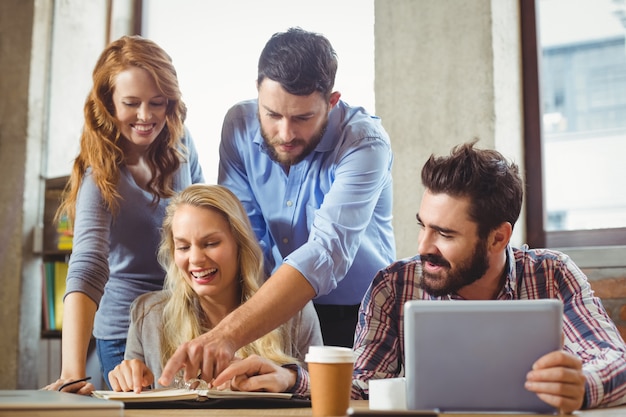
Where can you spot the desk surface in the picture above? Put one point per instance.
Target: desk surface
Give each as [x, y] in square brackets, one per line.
[296, 412]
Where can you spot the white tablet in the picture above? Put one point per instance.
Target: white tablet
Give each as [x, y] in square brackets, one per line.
[473, 356]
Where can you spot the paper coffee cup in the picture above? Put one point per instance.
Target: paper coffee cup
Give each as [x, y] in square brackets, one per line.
[330, 374]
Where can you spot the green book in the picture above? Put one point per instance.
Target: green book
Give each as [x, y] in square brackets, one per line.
[49, 269]
[60, 275]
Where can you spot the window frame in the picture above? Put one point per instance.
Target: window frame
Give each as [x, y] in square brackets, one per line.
[536, 235]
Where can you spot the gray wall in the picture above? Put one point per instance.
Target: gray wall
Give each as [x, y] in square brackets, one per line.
[21, 105]
[26, 57]
[446, 71]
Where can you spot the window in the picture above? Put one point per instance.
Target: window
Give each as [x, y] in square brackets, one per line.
[574, 63]
[216, 47]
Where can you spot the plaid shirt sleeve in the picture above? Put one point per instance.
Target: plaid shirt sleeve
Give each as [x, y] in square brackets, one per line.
[591, 335]
[301, 386]
[379, 341]
[589, 332]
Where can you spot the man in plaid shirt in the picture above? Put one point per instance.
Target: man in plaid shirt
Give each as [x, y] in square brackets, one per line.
[472, 200]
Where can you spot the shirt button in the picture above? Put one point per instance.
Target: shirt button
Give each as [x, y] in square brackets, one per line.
[285, 240]
[289, 203]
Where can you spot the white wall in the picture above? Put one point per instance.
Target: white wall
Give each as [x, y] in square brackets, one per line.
[78, 38]
[216, 46]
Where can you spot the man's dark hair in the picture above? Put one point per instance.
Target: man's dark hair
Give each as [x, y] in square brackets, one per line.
[492, 183]
[302, 62]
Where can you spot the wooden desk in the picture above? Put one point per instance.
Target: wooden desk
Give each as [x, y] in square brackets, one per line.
[296, 412]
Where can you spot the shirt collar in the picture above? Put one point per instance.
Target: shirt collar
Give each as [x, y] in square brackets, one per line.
[508, 290]
[329, 140]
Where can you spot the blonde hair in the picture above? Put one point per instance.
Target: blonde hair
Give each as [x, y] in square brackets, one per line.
[100, 140]
[183, 317]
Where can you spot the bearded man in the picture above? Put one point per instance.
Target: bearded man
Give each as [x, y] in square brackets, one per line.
[471, 202]
[314, 175]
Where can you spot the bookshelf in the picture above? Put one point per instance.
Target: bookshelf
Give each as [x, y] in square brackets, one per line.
[56, 250]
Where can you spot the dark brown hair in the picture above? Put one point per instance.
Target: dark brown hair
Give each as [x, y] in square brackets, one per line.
[302, 62]
[492, 183]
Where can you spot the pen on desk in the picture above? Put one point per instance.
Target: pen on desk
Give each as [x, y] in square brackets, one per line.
[67, 384]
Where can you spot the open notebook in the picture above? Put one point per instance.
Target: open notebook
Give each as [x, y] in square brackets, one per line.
[203, 398]
[16, 403]
[176, 394]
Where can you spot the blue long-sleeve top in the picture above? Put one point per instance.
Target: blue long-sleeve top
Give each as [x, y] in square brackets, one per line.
[114, 259]
[330, 216]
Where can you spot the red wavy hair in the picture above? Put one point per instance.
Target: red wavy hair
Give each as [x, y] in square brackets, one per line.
[100, 147]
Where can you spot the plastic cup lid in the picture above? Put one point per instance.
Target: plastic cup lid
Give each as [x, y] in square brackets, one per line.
[329, 354]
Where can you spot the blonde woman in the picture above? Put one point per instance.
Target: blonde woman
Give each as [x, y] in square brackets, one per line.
[214, 264]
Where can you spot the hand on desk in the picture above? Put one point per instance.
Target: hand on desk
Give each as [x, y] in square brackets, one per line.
[131, 375]
[255, 373]
[209, 353]
[557, 378]
[74, 385]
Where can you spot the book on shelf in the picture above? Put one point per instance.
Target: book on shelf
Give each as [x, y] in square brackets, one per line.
[54, 276]
[48, 295]
[60, 275]
[64, 234]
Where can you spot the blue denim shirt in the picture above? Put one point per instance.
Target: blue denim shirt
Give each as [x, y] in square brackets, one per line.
[330, 216]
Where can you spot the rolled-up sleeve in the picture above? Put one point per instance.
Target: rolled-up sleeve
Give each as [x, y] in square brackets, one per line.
[340, 223]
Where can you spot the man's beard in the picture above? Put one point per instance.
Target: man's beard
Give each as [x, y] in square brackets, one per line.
[452, 280]
[306, 150]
